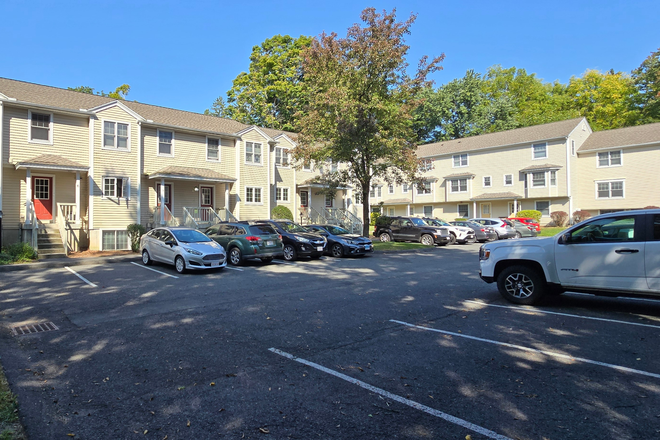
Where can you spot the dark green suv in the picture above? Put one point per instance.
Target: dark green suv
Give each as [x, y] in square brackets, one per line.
[247, 241]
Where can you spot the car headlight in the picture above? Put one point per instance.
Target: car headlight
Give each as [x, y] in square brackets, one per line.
[484, 253]
[301, 239]
[192, 251]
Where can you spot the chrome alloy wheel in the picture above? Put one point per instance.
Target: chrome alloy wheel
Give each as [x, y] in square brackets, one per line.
[519, 285]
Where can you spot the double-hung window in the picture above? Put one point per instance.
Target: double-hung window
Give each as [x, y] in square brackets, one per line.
[424, 188]
[538, 179]
[508, 180]
[116, 188]
[543, 207]
[539, 151]
[609, 159]
[253, 153]
[165, 143]
[252, 195]
[213, 149]
[460, 160]
[328, 200]
[609, 190]
[458, 185]
[404, 188]
[464, 210]
[487, 182]
[281, 157]
[41, 127]
[115, 135]
[390, 189]
[553, 178]
[282, 195]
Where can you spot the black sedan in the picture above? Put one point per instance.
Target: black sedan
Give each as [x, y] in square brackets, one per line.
[341, 242]
[481, 233]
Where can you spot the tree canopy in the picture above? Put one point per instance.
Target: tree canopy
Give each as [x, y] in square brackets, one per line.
[647, 81]
[273, 90]
[360, 102]
[119, 93]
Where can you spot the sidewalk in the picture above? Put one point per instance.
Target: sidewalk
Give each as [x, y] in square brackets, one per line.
[65, 261]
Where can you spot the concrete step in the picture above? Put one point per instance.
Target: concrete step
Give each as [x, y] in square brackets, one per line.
[46, 246]
[43, 256]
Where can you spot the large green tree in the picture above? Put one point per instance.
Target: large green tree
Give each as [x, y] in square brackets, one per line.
[273, 90]
[361, 100]
[119, 93]
[647, 80]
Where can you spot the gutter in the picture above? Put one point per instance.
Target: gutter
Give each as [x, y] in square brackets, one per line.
[14, 101]
[151, 123]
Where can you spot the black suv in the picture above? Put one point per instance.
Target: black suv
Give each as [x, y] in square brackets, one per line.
[410, 229]
[298, 242]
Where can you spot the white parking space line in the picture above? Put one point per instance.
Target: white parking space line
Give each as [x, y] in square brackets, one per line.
[621, 297]
[282, 262]
[80, 276]
[154, 270]
[234, 268]
[533, 350]
[434, 412]
[531, 309]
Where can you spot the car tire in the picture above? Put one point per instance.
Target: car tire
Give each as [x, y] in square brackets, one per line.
[518, 234]
[521, 285]
[267, 260]
[385, 237]
[289, 252]
[180, 264]
[426, 240]
[452, 240]
[337, 250]
[146, 259]
[235, 256]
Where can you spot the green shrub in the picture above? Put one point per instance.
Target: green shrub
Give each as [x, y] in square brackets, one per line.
[135, 231]
[460, 219]
[374, 218]
[382, 220]
[281, 212]
[530, 213]
[20, 252]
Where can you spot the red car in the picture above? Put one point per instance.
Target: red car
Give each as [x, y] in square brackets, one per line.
[528, 222]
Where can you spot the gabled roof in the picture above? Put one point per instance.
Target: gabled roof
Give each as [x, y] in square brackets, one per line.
[622, 137]
[75, 101]
[542, 166]
[537, 133]
[497, 196]
[189, 173]
[51, 162]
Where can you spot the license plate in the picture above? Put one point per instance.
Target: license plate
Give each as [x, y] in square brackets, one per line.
[319, 248]
[215, 263]
[269, 242]
[367, 247]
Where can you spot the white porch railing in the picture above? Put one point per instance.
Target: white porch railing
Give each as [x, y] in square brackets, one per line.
[311, 215]
[345, 219]
[68, 211]
[34, 225]
[200, 218]
[226, 215]
[169, 219]
[62, 224]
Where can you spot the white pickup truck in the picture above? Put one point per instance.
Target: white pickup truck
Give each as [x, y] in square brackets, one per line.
[615, 254]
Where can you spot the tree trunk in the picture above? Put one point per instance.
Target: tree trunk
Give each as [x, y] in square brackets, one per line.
[366, 211]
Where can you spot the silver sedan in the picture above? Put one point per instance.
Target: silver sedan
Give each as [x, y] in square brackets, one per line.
[185, 248]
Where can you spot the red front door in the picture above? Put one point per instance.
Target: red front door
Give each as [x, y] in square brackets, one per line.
[42, 197]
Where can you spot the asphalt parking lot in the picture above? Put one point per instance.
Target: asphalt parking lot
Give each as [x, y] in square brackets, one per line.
[409, 345]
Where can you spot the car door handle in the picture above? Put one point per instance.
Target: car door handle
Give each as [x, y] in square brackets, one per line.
[626, 251]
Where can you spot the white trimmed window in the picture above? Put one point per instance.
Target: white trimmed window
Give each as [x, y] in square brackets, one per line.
[334, 166]
[252, 195]
[463, 210]
[328, 200]
[404, 188]
[165, 143]
[487, 182]
[41, 127]
[253, 153]
[358, 198]
[508, 180]
[540, 151]
[572, 147]
[115, 135]
[610, 190]
[116, 188]
[390, 189]
[213, 149]
[460, 160]
[538, 179]
[282, 195]
[282, 157]
[553, 178]
[304, 198]
[114, 240]
[458, 185]
[307, 166]
[543, 207]
[609, 159]
[428, 211]
[424, 188]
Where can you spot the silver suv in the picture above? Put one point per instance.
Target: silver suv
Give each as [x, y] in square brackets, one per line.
[502, 229]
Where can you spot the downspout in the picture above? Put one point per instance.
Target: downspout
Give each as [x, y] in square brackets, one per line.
[139, 175]
[90, 176]
[270, 190]
[237, 145]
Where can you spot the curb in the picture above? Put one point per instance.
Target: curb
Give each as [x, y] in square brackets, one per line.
[61, 262]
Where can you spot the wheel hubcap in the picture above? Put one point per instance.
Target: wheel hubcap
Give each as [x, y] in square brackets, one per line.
[519, 285]
[288, 253]
[235, 257]
[179, 264]
[145, 257]
[337, 251]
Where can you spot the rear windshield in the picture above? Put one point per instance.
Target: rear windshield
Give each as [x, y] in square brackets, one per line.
[262, 230]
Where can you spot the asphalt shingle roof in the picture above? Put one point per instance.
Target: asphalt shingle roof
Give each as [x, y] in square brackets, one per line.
[495, 196]
[52, 160]
[191, 173]
[622, 137]
[542, 166]
[553, 130]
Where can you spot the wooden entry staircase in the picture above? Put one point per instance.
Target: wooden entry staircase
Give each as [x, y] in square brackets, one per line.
[49, 241]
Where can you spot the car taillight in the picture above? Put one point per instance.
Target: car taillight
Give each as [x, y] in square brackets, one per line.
[280, 236]
[253, 239]
[503, 225]
[483, 230]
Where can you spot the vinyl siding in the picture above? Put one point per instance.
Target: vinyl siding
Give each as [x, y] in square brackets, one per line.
[254, 176]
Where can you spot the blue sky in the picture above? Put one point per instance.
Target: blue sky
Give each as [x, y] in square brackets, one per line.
[184, 54]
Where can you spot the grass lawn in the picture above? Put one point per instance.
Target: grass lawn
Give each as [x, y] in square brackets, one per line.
[549, 231]
[10, 427]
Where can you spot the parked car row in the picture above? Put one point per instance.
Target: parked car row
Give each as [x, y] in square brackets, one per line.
[234, 243]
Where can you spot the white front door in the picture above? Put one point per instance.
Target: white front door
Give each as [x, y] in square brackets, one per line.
[604, 253]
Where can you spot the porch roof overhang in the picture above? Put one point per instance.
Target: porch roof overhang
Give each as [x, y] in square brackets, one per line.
[311, 183]
[51, 162]
[188, 173]
[496, 196]
[541, 167]
[403, 201]
[457, 175]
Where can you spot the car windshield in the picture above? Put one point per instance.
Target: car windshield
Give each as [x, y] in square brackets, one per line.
[336, 230]
[190, 236]
[418, 221]
[291, 227]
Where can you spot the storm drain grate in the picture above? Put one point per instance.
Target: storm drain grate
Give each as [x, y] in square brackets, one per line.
[33, 328]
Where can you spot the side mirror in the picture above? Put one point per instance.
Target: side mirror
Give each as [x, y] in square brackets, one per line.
[169, 243]
[564, 239]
